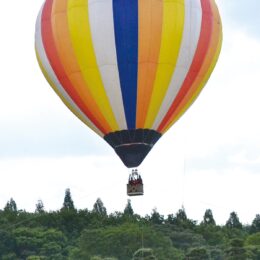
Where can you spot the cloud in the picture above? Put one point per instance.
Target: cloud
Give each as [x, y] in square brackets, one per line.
[240, 14]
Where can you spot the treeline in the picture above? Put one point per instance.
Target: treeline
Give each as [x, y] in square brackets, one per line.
[95, 235]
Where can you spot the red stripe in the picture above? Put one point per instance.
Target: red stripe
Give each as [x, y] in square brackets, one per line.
[203, 45]
[53, 57]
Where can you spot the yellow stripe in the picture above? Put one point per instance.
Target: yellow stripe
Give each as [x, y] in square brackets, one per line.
[202, 84]
[172, 30]
[79, 28]
[75, 112]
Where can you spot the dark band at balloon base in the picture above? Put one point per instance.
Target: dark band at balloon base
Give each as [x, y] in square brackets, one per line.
[132, 146]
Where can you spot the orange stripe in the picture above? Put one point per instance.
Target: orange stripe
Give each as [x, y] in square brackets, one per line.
[55, 62]
[205, 71]
[194, 72]
[150, 29]
[68, 60]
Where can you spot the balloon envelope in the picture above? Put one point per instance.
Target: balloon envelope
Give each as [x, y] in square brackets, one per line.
[128, 68]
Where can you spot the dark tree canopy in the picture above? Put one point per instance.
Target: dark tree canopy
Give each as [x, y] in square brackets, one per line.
[181, 215]
[128, 209]
[10, 206]
[181, 219]
[156, 218]
[233, 221]
[255, 227]
[208, 218]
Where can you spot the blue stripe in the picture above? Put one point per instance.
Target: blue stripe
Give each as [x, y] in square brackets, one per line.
[125, 14]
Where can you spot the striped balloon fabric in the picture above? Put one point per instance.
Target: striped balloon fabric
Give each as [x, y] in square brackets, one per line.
[128, 68]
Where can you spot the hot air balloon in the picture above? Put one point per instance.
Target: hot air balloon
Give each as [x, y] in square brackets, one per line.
[128, 69]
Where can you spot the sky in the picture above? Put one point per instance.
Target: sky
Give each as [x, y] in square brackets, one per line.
[210, 159]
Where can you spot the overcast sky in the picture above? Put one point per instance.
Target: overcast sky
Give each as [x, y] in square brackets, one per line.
[209, 159]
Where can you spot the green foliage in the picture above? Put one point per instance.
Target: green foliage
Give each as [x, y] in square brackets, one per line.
[10, 211]
[39, 207]
[233, 221]
[253, 252]
[156, 218]
[122, 241]
[198, 253]
[10, 206]
[208, 218]
[216, 253]
[128, 211]
[101, 258]
[186, 239]
[212, 234]
[253, 240]
[38, 242]
[255, 227]
[10, 256]
[144, 254]
[236, 250]
[181, 220]
[7, 243]
[68, 204]
[99, 208]
[92, 234]
[35, 257]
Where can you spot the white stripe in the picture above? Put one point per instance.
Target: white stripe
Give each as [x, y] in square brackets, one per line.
[103, 37]
[190, 38]
[45, 62]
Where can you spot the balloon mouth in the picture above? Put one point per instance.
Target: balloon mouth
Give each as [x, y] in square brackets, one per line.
[132, 146]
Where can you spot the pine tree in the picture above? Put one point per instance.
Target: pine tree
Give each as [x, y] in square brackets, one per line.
[156, 218]
[99, 208]
[68, 203]
[181, 219]
[255, 227]
[128, 209]
[233, 221]
[39, 207]
[10, 210]
[208, 218]
[181, 215]
[10, 206]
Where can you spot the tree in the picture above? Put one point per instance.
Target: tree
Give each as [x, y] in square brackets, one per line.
[68, 203]
[233, 221]
[186, 239]
[144, 254]
[253, 239]
[236, 250]
[10, 210]
[7, 243]
[181, 220]
[255, 227]
[128, 209]
[99, 208]
[39, 241]
[198, 253]
[156, 218]
[122, 241]
[10, 206]
[39, 207]
[208, 218]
